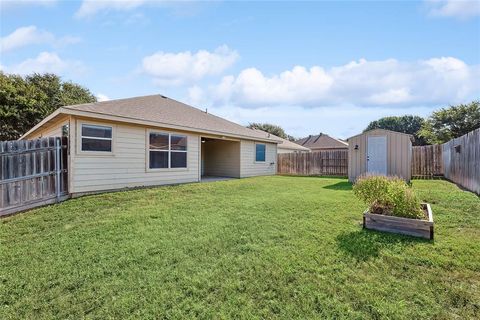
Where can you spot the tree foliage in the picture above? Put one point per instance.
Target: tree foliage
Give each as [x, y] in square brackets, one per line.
[407, 124]
[25, 101]
[271, 128]
[452, 122]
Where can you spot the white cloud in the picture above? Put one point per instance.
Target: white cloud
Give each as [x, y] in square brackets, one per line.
[337, 121]
[102, 97]
[25, 36]
[462, 9]
[7, 4]
[47, 62]
[89, 8]
[376, 83]
[30, 35]
[176, 68]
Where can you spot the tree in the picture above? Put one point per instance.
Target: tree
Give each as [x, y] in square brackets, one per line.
[25, 101]
[407, 124]
[271, 128]
[452, 122]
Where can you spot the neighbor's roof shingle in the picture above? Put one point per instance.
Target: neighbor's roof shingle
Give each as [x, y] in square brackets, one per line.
[322, 141]
[286, 144]
[163, 110]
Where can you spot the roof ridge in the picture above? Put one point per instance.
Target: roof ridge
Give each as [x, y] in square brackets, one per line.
[71, 106]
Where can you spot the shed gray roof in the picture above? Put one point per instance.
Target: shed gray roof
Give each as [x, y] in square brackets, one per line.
[164, 110]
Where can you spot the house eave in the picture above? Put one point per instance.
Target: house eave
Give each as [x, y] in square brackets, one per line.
[102, 116]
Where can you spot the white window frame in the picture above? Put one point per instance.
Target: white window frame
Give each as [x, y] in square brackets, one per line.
[255, 152]
[80, 151]
[169, 151]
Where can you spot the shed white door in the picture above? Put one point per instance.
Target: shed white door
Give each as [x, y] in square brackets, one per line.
[377, 155]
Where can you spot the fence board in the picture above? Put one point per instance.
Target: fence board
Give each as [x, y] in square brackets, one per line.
[30, 176]
[461, 160]
[427, 161]
[331, 162]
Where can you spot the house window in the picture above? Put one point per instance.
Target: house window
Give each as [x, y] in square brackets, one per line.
[167, 151]
[96, 138]
[260, 152]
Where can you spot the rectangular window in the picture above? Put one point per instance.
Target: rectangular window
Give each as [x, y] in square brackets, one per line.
[96, 138]
[167, 151]
[260, 152]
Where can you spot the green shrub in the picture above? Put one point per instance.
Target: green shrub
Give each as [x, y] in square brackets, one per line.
[388, 196]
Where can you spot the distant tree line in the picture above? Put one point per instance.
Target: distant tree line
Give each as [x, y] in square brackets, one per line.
[25, 101]
[271, 128]
[441, 126]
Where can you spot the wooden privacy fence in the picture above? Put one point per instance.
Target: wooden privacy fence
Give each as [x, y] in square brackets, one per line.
[461, 160]
[33, 173]
[334, 163]
[427, 161]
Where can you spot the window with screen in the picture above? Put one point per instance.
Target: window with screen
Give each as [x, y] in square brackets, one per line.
[260, 152]
[167, 150]
[96, 138]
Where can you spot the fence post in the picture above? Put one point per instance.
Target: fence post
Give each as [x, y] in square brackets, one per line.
[58, 169]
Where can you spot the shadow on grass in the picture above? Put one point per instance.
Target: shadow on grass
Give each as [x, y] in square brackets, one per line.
[343, 185]
[365, 244]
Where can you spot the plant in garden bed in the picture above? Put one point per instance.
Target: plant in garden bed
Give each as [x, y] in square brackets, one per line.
[388, 196]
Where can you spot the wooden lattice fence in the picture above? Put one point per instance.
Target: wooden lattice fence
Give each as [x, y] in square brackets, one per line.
[32, 173]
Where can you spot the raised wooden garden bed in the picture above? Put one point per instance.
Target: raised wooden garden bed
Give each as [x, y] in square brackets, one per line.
[412, 227]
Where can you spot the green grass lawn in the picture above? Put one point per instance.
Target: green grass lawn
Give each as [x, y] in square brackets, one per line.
[267, 247]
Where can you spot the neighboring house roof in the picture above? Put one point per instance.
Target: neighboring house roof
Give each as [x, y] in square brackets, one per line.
[158, 110]
[384, 130]
[287, 144]
[322, 141]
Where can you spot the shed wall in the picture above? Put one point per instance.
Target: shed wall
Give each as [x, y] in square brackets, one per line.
[399, 154]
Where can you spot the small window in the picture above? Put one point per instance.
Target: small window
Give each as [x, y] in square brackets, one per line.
[96, 138]
[260, 152]
[167, 151]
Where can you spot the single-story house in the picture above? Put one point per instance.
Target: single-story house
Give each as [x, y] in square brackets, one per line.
[322, 142]
[287, 146]
[153, 140]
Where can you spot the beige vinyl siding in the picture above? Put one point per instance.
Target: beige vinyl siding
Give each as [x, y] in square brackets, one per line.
[399, 154]
[222, 158]
[126, 166]
[53, 129]
[248, 166]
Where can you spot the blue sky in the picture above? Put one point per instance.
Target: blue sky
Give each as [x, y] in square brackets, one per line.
[308, 66]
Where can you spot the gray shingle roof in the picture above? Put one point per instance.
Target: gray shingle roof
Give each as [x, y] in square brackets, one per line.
[286, 144]
[163, 110]
[322, 141]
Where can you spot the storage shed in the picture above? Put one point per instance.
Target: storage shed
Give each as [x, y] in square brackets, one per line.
[381, 152]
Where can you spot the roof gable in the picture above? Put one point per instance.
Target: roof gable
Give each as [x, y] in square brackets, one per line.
[160, 110]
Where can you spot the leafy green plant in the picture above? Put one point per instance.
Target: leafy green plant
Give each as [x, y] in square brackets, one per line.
[388, 196]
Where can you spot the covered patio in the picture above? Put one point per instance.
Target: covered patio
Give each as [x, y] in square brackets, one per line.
[220, 159]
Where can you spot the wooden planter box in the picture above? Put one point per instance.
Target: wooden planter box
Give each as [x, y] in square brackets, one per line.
[411, 227]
